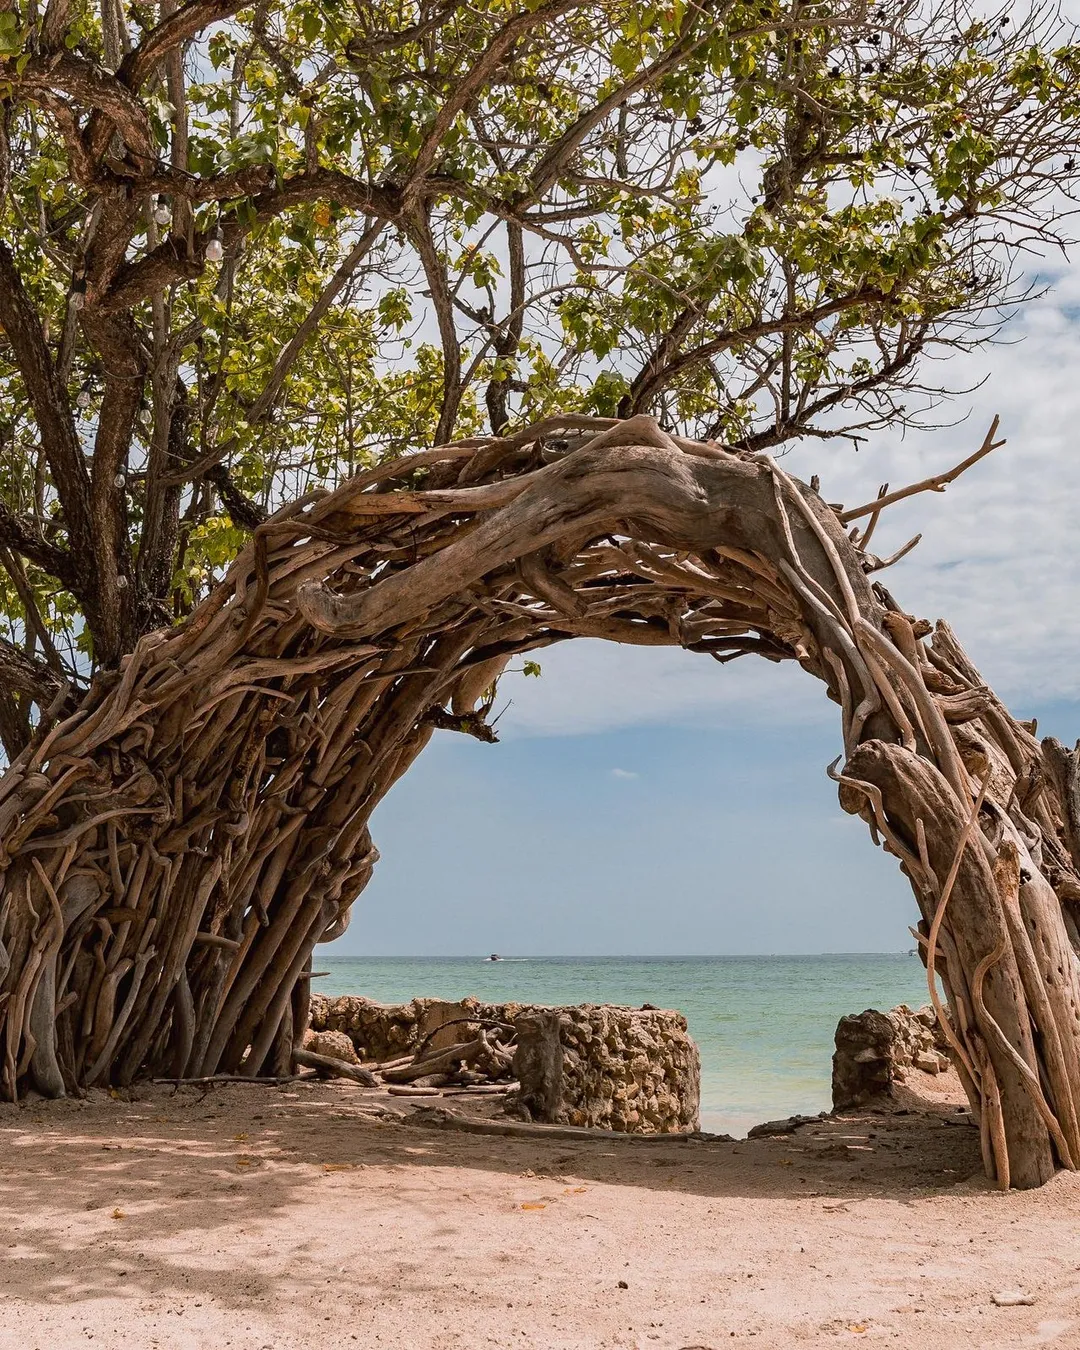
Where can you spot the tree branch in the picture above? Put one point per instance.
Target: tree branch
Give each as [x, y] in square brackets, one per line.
[174, 261]
[184, 23]
[506, 344]
[479, 74]
[54, 24]
[117, 341]
[27, 675]
[551, 165]
[729, 337]
[937, 483]
[92, 87]
[242, 509]
[13, 566]
[330, 293]
[363, 48]
[435, 273]
[22, 537]
[52, 412]
[470, 723]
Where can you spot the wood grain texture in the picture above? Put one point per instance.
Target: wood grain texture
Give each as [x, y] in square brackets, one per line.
[172, 851]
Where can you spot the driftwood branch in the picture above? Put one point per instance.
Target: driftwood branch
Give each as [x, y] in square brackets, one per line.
[937, 483]
[336, 1068]
[173, 850]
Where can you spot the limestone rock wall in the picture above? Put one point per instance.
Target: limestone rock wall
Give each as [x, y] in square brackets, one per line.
[378, 1031]
[876, 1050]
[626, 1069]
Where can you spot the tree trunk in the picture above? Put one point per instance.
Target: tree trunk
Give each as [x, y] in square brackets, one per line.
[171, 853]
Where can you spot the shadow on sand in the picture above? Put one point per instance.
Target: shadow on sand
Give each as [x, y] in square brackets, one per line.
[108, 1197]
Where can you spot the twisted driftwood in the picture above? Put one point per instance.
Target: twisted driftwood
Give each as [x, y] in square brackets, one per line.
[172, 852]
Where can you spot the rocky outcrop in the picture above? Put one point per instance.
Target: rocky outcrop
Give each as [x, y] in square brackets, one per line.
[333, 1043]
[627, 1069]
[378, 1031]
[632, 1070]
[875, 1051]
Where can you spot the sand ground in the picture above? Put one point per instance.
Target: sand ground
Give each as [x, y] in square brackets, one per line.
[293, 1218]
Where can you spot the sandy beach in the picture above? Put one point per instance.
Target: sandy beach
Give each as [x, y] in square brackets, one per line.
[293, 1218]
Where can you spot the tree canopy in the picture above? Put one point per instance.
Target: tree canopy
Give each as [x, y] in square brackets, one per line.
[249, 250]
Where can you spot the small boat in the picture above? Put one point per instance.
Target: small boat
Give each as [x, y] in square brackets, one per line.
[493, 957]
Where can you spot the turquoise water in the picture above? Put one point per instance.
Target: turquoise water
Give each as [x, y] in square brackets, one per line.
[764, 1024]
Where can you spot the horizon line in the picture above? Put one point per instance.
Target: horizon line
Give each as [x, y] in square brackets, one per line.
[608, 956]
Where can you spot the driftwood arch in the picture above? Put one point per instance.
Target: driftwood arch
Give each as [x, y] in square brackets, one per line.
[172, 852]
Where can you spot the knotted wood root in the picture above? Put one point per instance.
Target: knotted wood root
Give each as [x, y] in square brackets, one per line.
[171, 853]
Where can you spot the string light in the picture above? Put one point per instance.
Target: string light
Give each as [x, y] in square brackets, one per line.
[162, 210]
[82, 398]
[215, 248]
[119, 480]
[78, 292]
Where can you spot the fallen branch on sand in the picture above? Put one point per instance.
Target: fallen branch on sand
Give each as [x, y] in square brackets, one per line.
[336, 1068]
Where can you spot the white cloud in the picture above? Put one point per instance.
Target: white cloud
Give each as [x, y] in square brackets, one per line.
[998, 559]
[590, 686]
[624, 773]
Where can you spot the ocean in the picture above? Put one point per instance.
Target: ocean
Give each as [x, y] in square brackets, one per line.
[764, 1024]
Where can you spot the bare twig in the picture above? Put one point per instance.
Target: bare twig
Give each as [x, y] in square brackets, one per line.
[937, 483]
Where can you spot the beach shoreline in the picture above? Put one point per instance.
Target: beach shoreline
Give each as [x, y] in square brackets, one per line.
[764, 1025]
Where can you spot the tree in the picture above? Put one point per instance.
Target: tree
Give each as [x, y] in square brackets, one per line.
[254, 253]
[468, 217]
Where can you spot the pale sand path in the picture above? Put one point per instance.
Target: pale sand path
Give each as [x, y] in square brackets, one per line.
[321, 1230]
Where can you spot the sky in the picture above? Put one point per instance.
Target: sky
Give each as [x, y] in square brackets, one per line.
[650, 802]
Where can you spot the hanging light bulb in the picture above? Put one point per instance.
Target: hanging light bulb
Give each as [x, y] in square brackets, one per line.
[215, 248]
[82, 398]
[162, 210]
[119, 480]
[78, 292]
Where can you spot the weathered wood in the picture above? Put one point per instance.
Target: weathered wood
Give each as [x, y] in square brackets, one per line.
[172, 851]
[231, 1078]
[336, 1068]
[443, 1118]
[1063, 767]
[911, 788]
[443, 1061]
[538, 1065]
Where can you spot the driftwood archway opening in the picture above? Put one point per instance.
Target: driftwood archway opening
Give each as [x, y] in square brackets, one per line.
[173, 850]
